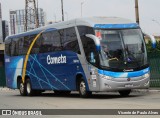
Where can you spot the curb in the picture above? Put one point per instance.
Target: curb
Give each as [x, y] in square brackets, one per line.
[5, 89]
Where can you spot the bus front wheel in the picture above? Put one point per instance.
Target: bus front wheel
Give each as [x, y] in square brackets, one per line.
[125, 93]
[82, 89]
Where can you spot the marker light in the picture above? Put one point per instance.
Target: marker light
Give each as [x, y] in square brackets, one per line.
[99, 35]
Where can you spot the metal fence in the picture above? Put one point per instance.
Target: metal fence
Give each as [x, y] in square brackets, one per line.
[154, 61]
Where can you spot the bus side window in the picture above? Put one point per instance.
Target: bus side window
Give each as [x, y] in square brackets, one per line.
[26, 44]
[20, 46]
[70, 41]
[90, 51]
[13, 48]
[50, 42]
[46, 42]
[56, 41]
[36, 46]
[7, 47]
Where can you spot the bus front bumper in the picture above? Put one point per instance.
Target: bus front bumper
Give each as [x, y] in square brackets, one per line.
[116, 84]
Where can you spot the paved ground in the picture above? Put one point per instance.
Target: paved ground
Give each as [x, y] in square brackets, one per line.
[10, 99]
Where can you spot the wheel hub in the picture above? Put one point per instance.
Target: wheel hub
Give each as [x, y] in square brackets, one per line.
[21, 87]
[28, 88]
[82, 88]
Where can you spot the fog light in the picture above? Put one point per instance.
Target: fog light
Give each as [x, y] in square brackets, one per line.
[147, 83]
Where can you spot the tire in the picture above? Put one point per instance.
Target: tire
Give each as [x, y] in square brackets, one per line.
[82, 89]
[22, 88]
[29, 90]
[125, 93]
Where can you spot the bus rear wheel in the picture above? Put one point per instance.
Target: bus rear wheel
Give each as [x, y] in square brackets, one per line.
[125, 93]
[29, 90]
[22, 88]
[82, 89]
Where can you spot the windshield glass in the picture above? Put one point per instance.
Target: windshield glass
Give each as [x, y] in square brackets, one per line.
[122, 49]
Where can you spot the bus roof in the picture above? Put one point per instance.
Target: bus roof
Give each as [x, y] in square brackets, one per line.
[102, 20]
[95, 22]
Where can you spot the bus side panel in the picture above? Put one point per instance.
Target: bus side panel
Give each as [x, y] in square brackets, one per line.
[13, 67]
[54, 71]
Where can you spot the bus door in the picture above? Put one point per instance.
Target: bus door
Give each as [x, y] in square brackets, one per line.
[92, 57]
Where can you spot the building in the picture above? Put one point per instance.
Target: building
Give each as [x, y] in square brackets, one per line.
[1, 34]
[5, 29]
[0, 11]
[17, 20]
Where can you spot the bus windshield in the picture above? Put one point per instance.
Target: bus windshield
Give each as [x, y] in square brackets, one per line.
[122, 49]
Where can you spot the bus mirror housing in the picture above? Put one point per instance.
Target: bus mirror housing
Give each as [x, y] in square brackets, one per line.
[96, 41]
[152, 39]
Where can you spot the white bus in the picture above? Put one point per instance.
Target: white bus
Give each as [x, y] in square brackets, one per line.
[97, 54]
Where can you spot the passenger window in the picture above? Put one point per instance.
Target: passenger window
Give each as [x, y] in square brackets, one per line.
[26, 44]
[50, 41]
[7, 47]
[70, 41]
[13, 48]
[57, 44]
[36, 46]
[19, 46]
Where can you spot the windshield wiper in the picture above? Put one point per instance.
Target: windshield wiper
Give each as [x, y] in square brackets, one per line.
[132, 56]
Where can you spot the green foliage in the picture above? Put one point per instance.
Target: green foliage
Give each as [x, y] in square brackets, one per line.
[151, 49]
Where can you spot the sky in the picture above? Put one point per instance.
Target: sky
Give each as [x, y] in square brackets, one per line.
[148, 10]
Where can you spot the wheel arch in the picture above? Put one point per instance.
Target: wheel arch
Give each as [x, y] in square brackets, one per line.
[79, 77]
[19, 78]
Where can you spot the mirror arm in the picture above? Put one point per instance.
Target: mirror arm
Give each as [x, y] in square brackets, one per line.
[96, 40]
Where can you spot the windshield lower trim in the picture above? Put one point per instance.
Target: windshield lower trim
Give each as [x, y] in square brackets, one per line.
[123, 70]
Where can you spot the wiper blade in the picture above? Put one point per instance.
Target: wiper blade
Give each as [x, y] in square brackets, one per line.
[132, 58]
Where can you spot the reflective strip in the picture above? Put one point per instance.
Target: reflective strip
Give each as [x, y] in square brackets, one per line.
[116, 26]
[124, 74]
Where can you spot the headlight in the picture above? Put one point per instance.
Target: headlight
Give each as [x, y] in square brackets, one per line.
[105, 77]
[108, 77]
[146, 75]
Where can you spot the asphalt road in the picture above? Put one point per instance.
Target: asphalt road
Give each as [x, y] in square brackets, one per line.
[11, 99]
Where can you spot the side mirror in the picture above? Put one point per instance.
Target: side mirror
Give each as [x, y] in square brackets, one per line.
[153, 40]
[96, 41]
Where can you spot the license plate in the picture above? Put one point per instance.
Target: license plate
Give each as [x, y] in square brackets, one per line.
[128, 85]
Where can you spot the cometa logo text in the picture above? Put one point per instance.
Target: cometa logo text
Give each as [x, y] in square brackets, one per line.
[56, 60]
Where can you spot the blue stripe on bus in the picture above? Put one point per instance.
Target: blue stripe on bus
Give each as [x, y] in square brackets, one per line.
[124, 74]
[116, 26]
[98, 47]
